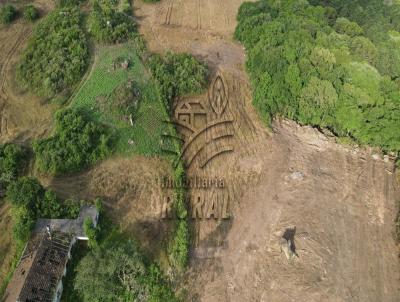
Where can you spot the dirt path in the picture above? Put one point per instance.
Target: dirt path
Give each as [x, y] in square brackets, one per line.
[341, 201]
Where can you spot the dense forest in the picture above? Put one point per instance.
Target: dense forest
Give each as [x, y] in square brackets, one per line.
[327, 64]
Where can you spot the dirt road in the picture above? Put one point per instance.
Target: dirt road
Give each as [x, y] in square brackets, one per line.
[340, 200]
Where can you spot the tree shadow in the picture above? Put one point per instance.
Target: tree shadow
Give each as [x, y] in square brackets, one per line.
[289, 236]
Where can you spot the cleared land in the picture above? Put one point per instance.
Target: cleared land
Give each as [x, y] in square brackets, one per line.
[341, 200]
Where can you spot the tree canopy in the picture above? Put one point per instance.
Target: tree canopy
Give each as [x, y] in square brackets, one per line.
[329, 64]
[77, 142]
[57, 54]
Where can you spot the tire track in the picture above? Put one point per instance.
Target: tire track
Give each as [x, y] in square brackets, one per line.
[169, 13]
[23, 35]
[198, 15]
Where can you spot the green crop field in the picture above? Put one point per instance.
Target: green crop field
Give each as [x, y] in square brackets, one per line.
[145, 136]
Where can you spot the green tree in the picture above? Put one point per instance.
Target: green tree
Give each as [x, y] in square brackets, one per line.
[345, 26]
[30, 13]
[7, 13]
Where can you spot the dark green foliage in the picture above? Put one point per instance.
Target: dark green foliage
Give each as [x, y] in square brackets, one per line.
[13, 160]
[76, 144]
[178, 74]
[26, 192]
[57, 54]
[7, 13]
[179, 245]
[116, 271]
[68, 3]
[334, 67]
[30, 13]
[31, 201]
[90, 232]
[108, 25]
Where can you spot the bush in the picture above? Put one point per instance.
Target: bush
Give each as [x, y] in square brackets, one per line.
[30, 13]
[7, 13]
[12, 163]
[179, 246]
[68, 3]
[76, 144]
[57, 54]
[90, 232]
[108, 25]
[124, 100]
[116, 271]
[178, 74]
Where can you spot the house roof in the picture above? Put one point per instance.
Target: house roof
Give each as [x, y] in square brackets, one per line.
[44, 259]
[47, 268]
[71, 226]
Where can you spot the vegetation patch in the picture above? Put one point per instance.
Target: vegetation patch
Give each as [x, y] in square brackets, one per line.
[109, 25]
[115, 270]
[7, 13]
[126, 99]
[177, 75]
[57, 54]
[13, 161]
[76, 143]
[30, 13]
[335, 67]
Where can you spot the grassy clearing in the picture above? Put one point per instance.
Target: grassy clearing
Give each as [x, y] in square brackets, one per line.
[148, 126]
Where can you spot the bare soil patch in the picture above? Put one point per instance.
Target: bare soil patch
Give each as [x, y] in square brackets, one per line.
[342, 200]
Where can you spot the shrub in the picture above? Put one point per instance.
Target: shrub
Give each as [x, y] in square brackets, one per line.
[7, 13]
[57, 54]
[178, 74]
[124, 100]
[76, 144]
[179, 246]
[30, 201]
[107, 25]
[90, 232]
[12, 163]
[30, 13]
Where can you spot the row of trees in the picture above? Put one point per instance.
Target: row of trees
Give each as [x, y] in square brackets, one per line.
[315, 65]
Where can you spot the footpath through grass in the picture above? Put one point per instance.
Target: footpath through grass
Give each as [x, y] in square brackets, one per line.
[144, 136]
